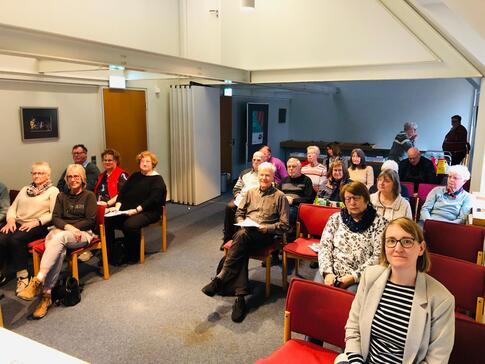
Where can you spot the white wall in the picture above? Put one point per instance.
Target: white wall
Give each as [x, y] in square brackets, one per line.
[276, 131]
[374, 111]
[80, 121]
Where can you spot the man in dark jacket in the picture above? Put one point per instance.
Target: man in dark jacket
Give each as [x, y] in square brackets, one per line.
[403, 141]
[417, 169]
[80, 156]
[456, 142]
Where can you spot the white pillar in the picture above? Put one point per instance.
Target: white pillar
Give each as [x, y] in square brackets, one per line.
[478, 175]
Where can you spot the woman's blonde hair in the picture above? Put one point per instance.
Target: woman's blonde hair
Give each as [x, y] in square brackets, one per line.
[423, 264]
[77, 168]
[147, 153]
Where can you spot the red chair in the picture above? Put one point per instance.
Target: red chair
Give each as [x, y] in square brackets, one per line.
[423, 190]
[469, 338]
[309, 227]
[98, 242]
[317, 311]
[409, 186]
[459, 241]
[264, 255]
[465, 280]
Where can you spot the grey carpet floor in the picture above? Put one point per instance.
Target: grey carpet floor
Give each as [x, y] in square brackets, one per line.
[156, 313]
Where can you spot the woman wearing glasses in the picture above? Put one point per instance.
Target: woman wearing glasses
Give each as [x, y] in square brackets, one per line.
[27, 220]
[351, 239]
[400, 314]
[111, 180]
[74, 218]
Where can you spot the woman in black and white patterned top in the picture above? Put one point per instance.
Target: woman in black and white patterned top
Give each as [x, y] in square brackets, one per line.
[400, 314]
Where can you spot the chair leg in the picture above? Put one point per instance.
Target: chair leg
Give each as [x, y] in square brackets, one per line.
[104, 257]
[36, 261]
[75, 270]
[164, 232]
[142, 246]
[1, 317]
[268, 276]
[284, 272]
[297, 266]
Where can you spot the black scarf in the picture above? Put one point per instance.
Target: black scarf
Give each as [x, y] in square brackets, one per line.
[361, 225]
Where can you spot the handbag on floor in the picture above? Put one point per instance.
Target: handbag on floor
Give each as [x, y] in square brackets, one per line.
[67, 292]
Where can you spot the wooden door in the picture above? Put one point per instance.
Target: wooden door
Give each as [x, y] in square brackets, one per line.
[226, 134]
[125, 124]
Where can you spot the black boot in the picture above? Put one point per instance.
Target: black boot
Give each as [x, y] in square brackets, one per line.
[239, 309]
[213, 287]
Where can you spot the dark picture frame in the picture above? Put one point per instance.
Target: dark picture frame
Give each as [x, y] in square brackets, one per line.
[256, 127]
[39, 123]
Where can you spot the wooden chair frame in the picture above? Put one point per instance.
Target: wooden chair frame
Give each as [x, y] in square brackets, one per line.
[163, 224]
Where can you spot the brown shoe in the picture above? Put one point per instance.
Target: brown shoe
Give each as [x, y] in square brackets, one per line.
[43, 306]
[33, 289]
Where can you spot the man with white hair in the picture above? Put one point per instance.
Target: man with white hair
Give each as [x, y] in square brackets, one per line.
[247, 179]
[451, 202]
[315, 170]
[268, 208]
[403, 141]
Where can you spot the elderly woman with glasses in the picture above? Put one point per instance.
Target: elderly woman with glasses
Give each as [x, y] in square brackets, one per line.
[111, 180]
[27, 220]
[400, 314]
[74, 218]
[351, 239]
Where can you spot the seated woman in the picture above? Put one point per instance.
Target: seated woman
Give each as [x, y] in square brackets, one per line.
[351, 239]
[27, 220]
[74, 218]
[142, 197]
[337, 177]
[400, 314]
[358, 170]
[388, 200]
[333, 154]
[451, 202]
[111, 180]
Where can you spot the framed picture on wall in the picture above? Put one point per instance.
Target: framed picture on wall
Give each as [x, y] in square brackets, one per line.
[257, 127]
[39, 123]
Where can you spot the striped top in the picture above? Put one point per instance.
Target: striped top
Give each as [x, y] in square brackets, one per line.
[389, 326]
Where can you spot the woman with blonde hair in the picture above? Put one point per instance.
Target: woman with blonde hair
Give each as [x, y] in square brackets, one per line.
[400, 314]
[27, 220]
[74, 218]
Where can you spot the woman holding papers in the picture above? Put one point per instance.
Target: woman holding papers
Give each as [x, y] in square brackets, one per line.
[140, 200]
[74, 217]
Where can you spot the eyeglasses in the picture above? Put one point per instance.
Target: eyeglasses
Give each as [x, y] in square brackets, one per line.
[355, 198]
[405, 242]
[73, 177]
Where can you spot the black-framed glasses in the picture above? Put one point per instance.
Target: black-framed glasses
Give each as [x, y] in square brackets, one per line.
[405, 242]
[355, 198]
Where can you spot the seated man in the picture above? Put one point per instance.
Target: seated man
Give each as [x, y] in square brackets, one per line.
[315, 170]
[297, 188]
[79, 156]
[449, 203]
[416, 169]
[266, 206]
[247, 179]
[279, 165]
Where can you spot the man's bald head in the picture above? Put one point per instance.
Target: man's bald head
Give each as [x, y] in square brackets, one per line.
[414, 155]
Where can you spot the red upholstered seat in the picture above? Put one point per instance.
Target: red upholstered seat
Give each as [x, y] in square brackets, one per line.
[317, 311]
[469, 339]
[299, 351]
[459, 241]
[423, 190]
[310, 224]
[465, 280]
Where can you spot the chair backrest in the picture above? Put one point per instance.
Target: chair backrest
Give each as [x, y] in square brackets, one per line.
[459, 241]
[469, 340]
[12, 194]
[100, 215]
[318, 311]
[465, 280]
[424, 189]
[313, 218]
[409, 186]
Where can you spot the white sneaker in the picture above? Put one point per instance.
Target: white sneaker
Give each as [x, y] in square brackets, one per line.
[22, 283]
[84, 257]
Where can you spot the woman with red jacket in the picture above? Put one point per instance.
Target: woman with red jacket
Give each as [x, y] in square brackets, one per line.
[111, 180]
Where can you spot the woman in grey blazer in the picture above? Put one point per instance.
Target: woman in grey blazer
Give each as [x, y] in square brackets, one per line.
[400, 313]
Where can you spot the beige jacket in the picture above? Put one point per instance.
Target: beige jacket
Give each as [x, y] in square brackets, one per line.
[431, 329]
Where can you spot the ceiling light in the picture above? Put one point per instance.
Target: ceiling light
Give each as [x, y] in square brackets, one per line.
[248, 4]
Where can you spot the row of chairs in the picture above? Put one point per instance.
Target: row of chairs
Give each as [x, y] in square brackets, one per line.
[321, 312]
[417, 200]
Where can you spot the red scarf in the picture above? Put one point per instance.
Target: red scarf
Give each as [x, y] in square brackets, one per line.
[112, 181]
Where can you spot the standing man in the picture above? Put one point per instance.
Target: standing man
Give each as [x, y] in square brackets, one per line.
[403, 141]
[315, 170]
[416, 169]
[456, 142]
[80, 156]
[297, 188]
[266, 206]
[280, 166]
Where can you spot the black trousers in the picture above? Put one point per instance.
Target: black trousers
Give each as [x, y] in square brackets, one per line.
[131, 227]
[235, 269]
[229, 215]
[13, 246]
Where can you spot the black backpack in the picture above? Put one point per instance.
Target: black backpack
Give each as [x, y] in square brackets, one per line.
[67, 292]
